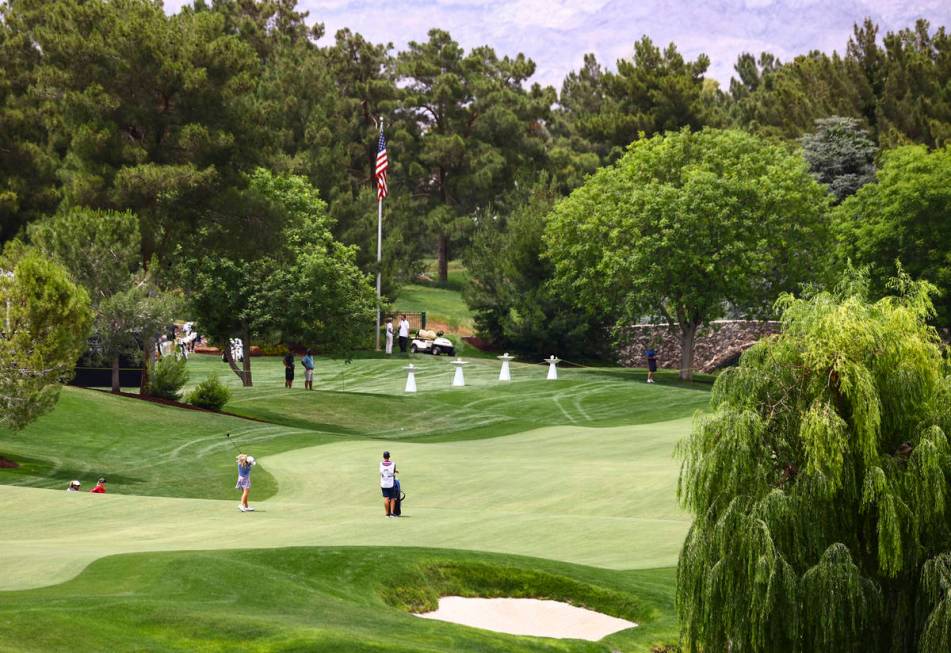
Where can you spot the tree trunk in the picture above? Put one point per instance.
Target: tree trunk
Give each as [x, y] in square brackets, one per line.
[116, 388]
[247, 360]
[688, 336]
[442, 258]
[148, 358]
[229, 358]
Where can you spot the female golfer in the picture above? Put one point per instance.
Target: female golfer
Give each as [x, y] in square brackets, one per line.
[245, 463]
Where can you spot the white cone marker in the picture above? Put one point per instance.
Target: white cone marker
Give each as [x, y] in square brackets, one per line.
[552, 369]
[458, 380]
[505, 374]
[410, 378]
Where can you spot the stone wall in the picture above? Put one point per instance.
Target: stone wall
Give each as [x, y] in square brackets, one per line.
[718, 343]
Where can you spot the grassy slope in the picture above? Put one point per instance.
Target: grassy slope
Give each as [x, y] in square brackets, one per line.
[366, 398]
[313, 600]
[600, 497]
[141, 448]
[443, 304]
[596, 496]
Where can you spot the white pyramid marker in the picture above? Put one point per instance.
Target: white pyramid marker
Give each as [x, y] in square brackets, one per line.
[458, 380]
[505, 374]
[410, 378]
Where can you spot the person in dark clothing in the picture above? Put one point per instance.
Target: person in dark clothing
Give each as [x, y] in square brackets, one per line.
[403, 333]
[289, 370]
[651, 364]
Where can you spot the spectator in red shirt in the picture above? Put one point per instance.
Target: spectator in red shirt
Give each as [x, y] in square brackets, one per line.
[100, 487]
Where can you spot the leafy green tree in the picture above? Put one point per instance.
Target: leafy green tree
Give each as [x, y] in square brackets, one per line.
[903, 216]
[840, 155]
[477, 129]
[509, 285]
[101, 250]
[300, 285]
[685, 225]
[820, 482]
[45, 322]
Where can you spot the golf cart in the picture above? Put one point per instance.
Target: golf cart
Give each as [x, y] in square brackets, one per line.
[431, 342]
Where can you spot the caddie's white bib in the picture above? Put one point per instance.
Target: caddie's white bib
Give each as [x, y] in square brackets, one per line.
[386, 473]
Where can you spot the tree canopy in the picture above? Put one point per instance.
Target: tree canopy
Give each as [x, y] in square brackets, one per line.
[300, 287]
[44, 321]
[903, 215]
[840, 155]
[819, 482]
[687, 225]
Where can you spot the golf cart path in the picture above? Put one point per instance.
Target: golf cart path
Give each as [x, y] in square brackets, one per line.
[596, 496]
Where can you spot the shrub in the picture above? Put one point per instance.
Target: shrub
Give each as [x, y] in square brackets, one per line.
[167, 377]
[210, 393]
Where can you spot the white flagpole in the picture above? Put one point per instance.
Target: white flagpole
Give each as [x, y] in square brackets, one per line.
[379, 257]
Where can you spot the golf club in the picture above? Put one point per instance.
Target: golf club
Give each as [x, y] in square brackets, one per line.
[236, 447]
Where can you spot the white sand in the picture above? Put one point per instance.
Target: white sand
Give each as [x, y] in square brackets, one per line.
[528, 617]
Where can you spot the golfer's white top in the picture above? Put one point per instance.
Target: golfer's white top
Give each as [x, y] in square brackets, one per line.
[528, 617]
[404, 328]
[387, 467]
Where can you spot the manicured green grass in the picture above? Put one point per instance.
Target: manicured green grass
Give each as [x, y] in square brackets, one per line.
[595, 496]
[142, 448]
[574, 472]
[366, 398]
[316, 599]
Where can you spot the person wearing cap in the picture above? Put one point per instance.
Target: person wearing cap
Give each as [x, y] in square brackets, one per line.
[100, 487]
[388, 474]
[73, 486]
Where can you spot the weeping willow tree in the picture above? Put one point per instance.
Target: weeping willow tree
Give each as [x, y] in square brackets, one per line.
[820, 483]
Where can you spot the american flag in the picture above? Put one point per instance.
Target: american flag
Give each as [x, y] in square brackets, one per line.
[382, 163]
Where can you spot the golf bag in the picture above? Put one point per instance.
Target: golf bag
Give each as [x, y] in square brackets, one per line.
[400, 495]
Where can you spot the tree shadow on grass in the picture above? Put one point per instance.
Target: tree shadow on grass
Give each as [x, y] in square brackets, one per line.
[39, 471]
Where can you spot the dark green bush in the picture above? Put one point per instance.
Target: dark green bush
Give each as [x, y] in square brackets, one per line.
[167, 377]
[210, 393]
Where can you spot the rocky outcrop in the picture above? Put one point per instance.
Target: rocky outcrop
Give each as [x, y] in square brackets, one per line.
[718, 344]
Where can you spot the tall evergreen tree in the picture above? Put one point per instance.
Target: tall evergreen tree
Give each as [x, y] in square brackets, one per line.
[478, 129]
[915, 102]
[656, 90]
[840, 154]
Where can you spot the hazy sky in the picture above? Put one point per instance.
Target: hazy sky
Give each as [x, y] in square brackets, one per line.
[557, 33]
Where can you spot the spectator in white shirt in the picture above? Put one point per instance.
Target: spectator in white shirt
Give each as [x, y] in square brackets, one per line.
[404, 333]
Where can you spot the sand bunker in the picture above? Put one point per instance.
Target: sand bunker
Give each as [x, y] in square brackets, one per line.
[528, 617]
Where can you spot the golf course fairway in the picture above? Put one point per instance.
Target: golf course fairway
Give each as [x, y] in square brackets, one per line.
[565, 480]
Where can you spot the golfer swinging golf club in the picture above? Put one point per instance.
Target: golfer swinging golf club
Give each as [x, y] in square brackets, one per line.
[245, 463]
[388, 474]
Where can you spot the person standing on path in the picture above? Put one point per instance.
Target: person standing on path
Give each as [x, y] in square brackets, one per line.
[289, 370]
[651, 364]
[308, 362]
[404, 333]
[388, 474]
[389, 335]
